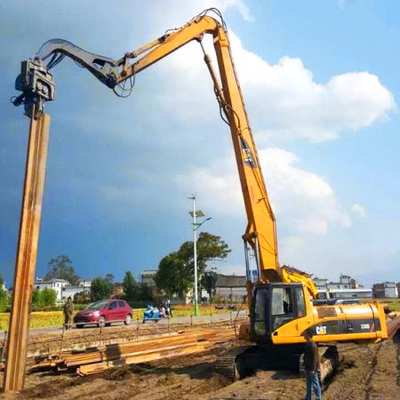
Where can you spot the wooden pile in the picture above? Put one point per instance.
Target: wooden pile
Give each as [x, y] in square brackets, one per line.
[114, 355]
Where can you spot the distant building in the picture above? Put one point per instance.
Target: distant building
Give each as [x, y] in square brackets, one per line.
[321, 284]
[147, 277]
[56, 284]
[398, 289]
[346, 287]
[86, 283]
[71, 291]
[231, 287]
[385, 289]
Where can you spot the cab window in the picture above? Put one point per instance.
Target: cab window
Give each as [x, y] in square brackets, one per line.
[259, 312]
[300, 304]
[281, 307]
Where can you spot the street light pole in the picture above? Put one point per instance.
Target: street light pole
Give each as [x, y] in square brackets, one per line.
[196, 295]
[196, 213]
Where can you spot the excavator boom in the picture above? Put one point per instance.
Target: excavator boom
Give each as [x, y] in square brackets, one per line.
[261, 229]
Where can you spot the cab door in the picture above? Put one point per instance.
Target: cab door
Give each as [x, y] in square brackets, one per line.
[289, 317]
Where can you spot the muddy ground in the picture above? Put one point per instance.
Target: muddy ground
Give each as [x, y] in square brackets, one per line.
[366, 373]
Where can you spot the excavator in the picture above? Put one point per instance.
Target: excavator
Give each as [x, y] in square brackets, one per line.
[281, 300]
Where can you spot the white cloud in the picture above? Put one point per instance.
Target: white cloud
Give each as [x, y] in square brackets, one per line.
[284, 101]
[358, 209]
[303, 201]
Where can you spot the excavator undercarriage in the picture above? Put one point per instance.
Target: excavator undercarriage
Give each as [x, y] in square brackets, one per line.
[243, 361]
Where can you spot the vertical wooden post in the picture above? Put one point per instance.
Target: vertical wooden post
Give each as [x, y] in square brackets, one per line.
[25, 265]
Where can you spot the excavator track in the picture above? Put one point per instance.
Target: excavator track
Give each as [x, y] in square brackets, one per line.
[228, 365]
[244, 361]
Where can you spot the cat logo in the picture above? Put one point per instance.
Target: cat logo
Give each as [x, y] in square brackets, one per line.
[320, 330]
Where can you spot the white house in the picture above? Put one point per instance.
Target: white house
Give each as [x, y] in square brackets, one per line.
[385, 289]
[147, 277]
[231, 287]
[86, 283]
[347, 287]
[71, 291]
[55, 284]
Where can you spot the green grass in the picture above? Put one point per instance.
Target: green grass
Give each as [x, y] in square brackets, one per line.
[48, 319]
[393, 304]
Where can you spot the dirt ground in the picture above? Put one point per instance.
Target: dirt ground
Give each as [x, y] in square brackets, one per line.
[366, 373]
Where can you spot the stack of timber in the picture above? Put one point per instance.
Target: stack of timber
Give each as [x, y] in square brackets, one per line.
[100, 359]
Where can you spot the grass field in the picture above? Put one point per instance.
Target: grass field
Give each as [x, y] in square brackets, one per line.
[393, 304]
[47, 319]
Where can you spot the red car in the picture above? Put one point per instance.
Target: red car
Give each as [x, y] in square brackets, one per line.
[103, 313]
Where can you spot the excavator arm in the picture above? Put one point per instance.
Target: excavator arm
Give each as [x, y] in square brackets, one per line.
[260, 233]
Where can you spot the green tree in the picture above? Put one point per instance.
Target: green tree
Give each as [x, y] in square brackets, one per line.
[131, 287]
[101, 289]
[209, 282]
[49, 297]
[3, 296]
[36, 297]
[44, 298]
[61, 268]
[173, 275]
[82, 297]
[146, 294]
[209, 247]
[176, 270]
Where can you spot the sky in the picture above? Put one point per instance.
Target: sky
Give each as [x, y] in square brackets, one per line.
[320, 83]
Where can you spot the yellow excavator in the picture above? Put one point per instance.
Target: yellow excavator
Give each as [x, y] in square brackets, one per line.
[280, 299]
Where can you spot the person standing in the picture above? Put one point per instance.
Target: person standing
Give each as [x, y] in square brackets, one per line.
[311, 365]
[169, 308]
[68, 313]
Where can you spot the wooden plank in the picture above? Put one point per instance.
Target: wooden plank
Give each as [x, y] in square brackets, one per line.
[138, 359]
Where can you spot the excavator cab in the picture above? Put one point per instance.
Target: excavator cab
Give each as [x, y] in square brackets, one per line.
[274, 305]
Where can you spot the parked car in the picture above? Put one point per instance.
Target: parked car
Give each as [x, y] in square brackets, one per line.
[104, 313]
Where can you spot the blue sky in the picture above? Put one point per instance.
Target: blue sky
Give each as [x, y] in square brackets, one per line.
[320, 81]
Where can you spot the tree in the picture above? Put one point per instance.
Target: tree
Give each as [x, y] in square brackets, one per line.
[82, 297]
[35, 297]
[131, 287]
[173, 275]
[209, 282]
[44, 298]
[101, 289]
[176, 270]
[110, 278]
[3, 296]
[146, 294]
[48, 297]
[209, 247]
[61, 268]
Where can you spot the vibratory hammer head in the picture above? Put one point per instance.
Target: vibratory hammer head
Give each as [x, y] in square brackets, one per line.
[36, 84]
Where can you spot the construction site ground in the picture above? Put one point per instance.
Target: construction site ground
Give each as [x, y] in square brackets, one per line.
[366, 373]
